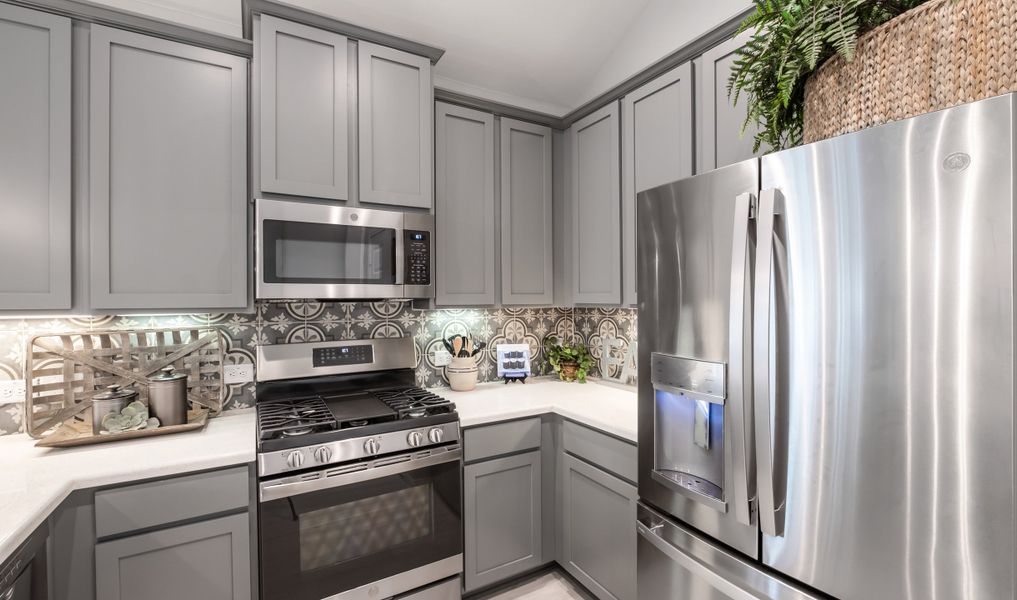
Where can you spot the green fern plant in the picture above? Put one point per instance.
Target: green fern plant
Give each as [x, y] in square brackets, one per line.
[791, 39]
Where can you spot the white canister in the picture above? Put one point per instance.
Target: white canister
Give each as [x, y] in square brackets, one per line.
[462, 374]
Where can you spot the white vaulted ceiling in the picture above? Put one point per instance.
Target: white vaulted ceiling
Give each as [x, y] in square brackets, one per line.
[545, 55]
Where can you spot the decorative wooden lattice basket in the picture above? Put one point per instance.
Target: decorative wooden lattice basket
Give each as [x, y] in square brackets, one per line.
[64, 371]
[940, 54]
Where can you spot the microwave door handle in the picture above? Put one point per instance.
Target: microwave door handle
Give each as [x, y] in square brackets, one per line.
[400, 257]
[739, 404]
[771, 507]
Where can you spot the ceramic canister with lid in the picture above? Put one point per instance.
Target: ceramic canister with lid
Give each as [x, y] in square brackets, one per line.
[167, 397]
[113, 400]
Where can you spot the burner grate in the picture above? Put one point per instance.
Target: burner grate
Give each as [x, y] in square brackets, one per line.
[415, 402]
[290, 418]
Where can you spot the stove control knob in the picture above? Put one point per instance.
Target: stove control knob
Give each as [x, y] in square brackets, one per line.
[372, 446]
[323, 454]
[435, 435]
[414, 439]
[295, 459]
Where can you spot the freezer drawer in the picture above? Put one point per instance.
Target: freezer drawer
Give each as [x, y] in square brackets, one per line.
[672, 562]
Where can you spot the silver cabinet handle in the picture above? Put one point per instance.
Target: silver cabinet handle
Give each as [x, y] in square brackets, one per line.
[695, 566]
[771, 508]
[739, 376]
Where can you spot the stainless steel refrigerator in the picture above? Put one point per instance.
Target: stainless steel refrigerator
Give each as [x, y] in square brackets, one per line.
[826, 359]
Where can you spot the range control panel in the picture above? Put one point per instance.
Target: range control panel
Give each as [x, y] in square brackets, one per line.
[332, 356]
[418, 257]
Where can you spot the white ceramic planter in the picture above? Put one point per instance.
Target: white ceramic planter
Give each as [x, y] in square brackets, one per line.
[462, 374]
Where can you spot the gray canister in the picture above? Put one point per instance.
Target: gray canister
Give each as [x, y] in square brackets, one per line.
[167, 397]
[113, 400]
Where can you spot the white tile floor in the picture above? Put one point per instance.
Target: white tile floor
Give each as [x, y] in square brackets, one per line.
[547, 586]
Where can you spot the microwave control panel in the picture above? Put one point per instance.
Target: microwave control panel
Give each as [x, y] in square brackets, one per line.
[418, 257]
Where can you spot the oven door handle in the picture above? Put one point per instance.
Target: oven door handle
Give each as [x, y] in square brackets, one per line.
[293, 486]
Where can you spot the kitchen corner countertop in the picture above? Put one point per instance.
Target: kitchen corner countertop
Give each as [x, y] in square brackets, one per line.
[35, 480]
[611, 408]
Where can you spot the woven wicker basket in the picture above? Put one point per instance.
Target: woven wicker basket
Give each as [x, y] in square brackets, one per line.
[940, 54]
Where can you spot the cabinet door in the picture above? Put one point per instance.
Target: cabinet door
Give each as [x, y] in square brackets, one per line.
[527, 253]
[657, 147]
[502, 518]
[35, 160]
[719, 138]
[464, 206]
[303, 92]
[596, 208]
[167, 174]
[394, 101]
[599, 525]
[210, 560]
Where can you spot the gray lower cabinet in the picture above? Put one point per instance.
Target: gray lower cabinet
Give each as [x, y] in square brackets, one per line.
[35, 160]
[657, 148]
[464, 206]
[394, 101]
[303, 98]
[719, 138]
[502, 518]
[167, 174]
[527, 251]
[596, 208]
[210, 560]
[598, 516]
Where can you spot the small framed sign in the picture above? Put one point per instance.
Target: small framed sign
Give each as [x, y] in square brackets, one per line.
[513, 362]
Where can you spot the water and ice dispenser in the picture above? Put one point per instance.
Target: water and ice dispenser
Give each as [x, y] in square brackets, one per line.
[688, 419]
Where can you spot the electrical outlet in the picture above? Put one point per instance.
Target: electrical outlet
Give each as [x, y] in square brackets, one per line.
[442, 358]
[236, 374]
[12, 391]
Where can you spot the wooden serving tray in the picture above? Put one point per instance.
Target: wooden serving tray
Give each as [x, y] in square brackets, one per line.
[79, 433]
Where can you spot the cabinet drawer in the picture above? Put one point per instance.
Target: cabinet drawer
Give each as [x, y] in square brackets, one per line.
[609, 453]
[502, 438]
[144, 505]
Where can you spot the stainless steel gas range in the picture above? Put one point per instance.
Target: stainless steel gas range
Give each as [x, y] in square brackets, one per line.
[359, 475]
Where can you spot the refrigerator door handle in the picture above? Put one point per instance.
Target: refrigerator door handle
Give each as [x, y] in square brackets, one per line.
[739, 374]
[695, 566]
[771, 506]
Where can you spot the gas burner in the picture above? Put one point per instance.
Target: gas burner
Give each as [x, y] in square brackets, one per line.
[296, 417]
[413, 402]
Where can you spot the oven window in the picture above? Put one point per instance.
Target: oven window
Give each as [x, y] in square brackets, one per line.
[323, 542]
[334, 535]
[321, 253]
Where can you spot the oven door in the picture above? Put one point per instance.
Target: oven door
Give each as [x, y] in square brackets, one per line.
[309, 250]
[390, 527]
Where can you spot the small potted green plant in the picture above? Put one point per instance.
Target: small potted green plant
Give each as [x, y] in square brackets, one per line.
[570, 361]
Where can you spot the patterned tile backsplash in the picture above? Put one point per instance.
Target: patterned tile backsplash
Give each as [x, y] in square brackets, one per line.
[309, 321]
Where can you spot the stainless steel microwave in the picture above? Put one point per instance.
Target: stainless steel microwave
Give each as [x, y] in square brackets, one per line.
[308, 250]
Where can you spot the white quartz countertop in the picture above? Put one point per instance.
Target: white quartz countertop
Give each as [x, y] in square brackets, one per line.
[34, 481]
[608, 407]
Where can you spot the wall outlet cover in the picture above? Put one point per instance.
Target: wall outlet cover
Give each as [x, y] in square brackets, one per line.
[237, 374]
[12, 391]
[442, 358]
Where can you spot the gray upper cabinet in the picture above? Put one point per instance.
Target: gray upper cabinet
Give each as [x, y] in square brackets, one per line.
[502, 518]
[527, 252]
[210, 560]
[303, 94]
[719, 139]
[35, 160]
[395, 102]
[657, 148]
[167, 174]
[464, 206]
[596, 208]
[599, 534]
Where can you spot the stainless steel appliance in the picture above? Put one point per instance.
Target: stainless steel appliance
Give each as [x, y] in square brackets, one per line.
[360, 477]
[310, 250]
[24, 574]
[828, 334]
